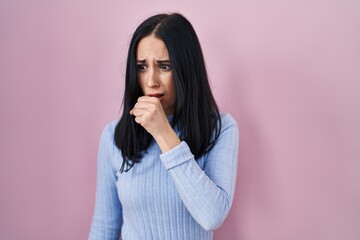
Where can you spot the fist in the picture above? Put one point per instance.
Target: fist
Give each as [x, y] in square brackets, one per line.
[150, 114]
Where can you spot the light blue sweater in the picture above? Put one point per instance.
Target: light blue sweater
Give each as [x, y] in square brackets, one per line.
[167, 196]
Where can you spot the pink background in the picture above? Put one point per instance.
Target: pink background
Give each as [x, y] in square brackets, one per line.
[288, 71]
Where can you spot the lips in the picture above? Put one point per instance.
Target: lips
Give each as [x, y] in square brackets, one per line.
[157, 95]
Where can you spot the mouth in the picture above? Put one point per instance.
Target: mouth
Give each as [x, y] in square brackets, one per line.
[157, 95]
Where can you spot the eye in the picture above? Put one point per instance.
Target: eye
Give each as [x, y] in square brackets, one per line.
[141, 67]
[165, 67]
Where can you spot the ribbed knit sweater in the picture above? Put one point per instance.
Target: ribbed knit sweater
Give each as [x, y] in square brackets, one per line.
[167, 196]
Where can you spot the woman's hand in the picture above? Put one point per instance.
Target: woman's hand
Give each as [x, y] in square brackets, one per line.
[150, 114]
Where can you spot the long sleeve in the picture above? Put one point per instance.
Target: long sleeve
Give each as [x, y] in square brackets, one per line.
[207, 194]
[107, 219]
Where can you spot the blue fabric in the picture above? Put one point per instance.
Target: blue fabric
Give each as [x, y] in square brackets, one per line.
[166, 196]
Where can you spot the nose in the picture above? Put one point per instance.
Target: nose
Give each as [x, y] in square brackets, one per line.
[153, 78]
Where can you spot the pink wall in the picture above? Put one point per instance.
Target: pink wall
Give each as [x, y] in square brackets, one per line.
[288, 72]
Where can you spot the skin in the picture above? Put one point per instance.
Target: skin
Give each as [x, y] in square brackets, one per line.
[155, 79]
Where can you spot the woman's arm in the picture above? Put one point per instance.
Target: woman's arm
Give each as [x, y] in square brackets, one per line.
[208, 193]
[107, 217]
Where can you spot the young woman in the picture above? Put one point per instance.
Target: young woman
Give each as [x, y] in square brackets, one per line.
[167, 168]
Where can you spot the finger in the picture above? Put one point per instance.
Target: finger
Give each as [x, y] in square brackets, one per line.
[144, 105]
[138, 120]
[138, 112]
[141, 105]
[148, 99]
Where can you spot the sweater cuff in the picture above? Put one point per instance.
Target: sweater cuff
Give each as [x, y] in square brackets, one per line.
[176, 156]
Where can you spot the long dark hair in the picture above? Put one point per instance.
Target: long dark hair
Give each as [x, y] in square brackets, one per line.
[196, 114]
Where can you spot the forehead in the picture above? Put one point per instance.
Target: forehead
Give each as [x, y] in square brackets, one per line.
[151, 47]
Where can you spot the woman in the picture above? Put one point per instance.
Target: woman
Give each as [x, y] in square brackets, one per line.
[167, 168]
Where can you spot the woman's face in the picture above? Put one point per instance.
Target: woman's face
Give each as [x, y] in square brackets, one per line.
[154, 72]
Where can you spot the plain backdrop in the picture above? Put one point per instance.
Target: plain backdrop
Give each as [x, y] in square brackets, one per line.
[288, 71]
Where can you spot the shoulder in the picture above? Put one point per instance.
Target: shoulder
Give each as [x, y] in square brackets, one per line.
[108, 132]
[107, 143]
[228, 121]
[109, 129]
[228, 129]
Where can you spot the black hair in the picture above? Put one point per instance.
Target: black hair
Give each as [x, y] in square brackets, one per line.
[196, 114]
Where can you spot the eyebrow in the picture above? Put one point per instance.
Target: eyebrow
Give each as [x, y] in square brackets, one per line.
[158, 61]
[163, 61]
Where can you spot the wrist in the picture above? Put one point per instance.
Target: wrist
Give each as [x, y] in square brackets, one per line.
[167, 139]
